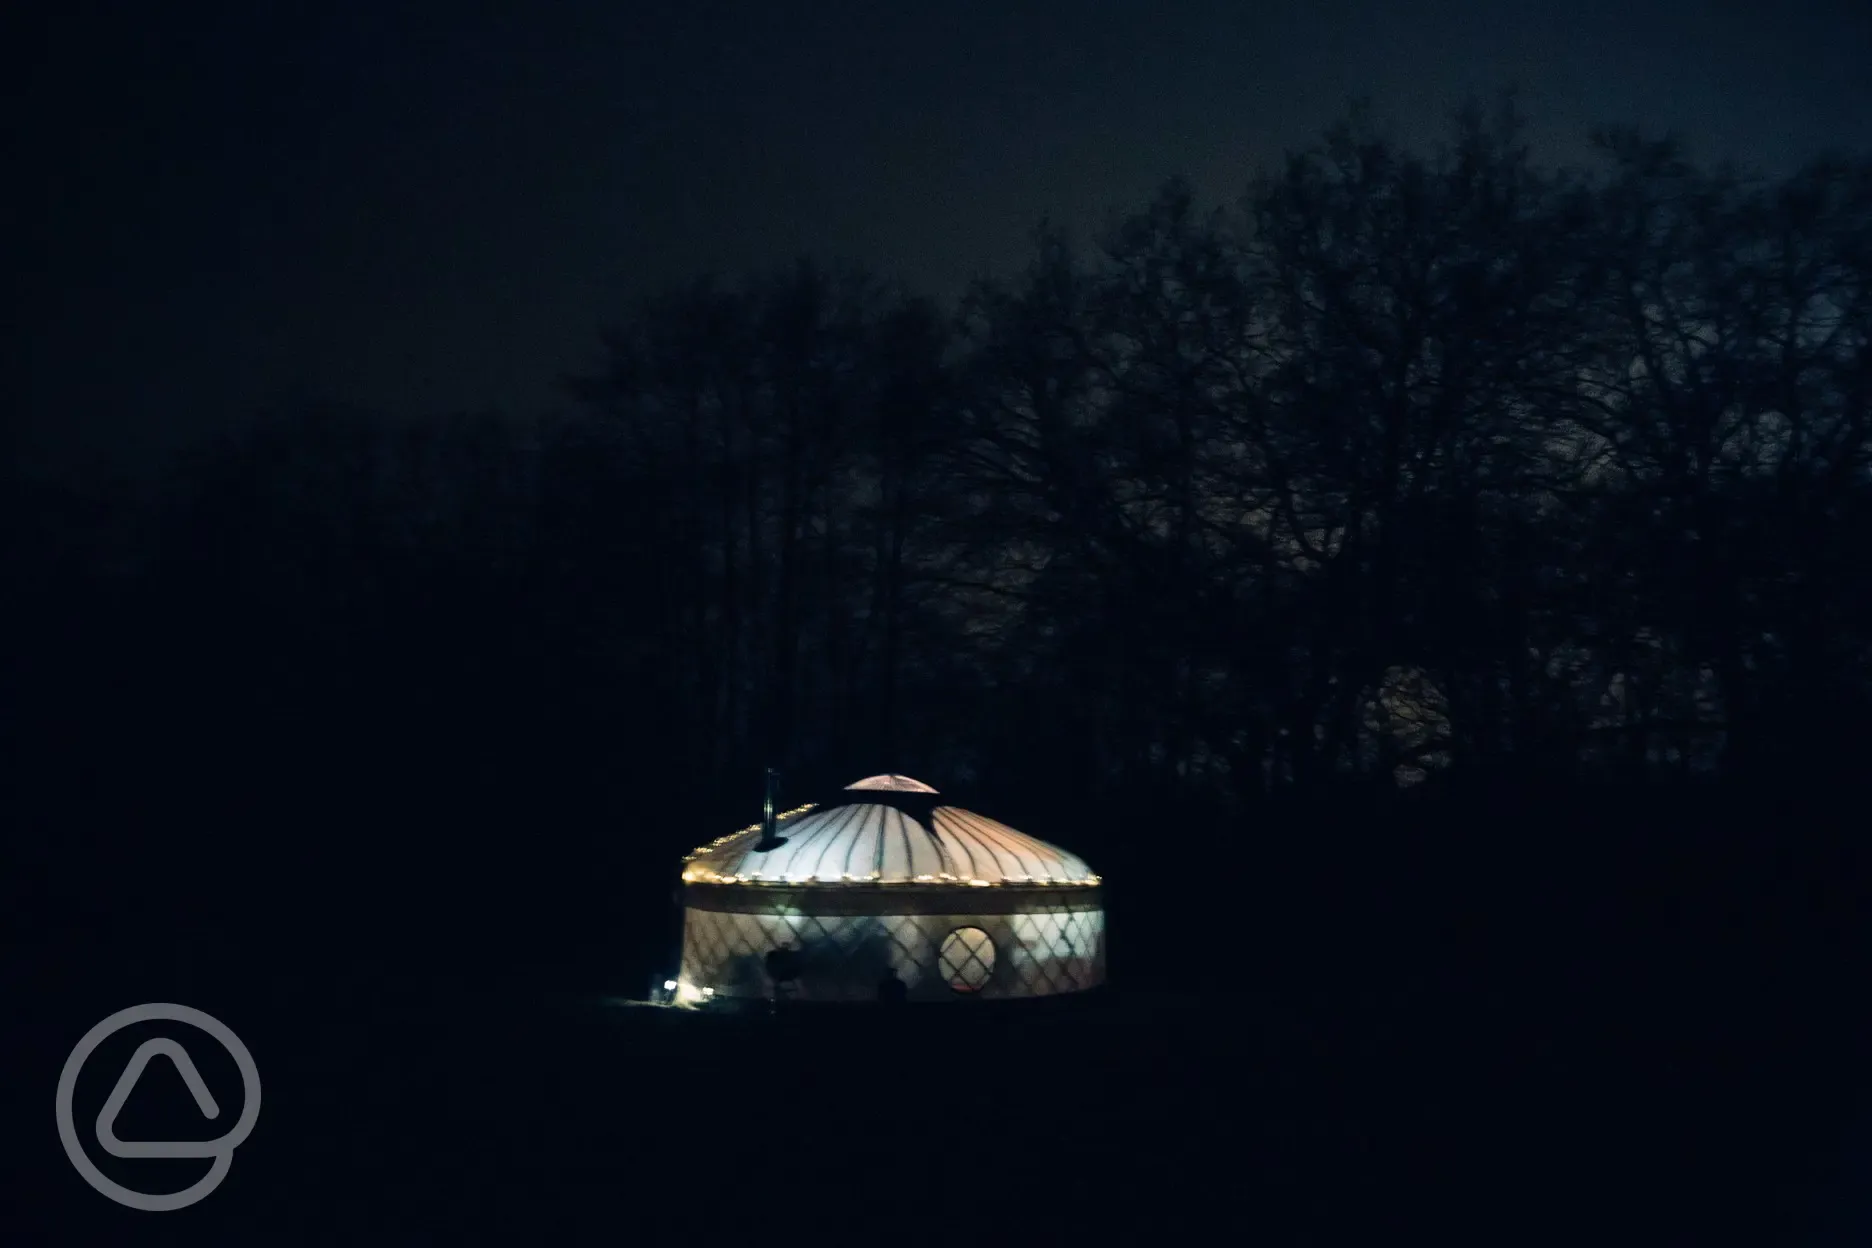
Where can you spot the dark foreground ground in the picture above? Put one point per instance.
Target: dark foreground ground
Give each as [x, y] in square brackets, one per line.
[1610, 1023]
[466, 1112]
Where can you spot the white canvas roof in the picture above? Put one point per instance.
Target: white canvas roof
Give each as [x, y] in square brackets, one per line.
[865, 843]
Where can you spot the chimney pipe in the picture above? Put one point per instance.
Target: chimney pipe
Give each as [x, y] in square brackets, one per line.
[768, 823]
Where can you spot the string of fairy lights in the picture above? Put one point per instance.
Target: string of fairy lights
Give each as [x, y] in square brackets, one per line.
[695, 873]
[720, 841]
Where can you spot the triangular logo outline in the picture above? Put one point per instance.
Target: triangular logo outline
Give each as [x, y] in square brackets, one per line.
[126, 1082]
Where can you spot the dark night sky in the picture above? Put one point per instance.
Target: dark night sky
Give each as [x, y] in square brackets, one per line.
[432, 208]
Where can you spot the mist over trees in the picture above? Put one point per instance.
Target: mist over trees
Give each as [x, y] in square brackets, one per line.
[1409, 471]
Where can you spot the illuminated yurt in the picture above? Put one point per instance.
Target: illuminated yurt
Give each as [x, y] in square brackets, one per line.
[887, 882]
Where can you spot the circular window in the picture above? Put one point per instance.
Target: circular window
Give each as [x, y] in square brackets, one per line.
[967, 958]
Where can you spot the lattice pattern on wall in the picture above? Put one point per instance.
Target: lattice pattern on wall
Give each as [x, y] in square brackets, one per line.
[1058, 950]
[842, 957]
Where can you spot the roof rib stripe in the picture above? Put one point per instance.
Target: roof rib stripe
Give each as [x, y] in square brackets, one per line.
[863, 841]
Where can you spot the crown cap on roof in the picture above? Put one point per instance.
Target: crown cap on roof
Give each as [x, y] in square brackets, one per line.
[891, 784]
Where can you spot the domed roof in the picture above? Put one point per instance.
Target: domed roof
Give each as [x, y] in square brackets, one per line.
[891, 784]
[880, 842]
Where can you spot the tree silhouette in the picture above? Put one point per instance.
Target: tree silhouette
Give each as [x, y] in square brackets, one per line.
[1442, 470]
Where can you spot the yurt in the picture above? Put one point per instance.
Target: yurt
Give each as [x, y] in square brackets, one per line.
[886, 893]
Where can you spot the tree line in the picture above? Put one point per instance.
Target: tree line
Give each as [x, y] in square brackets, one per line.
[1411, 469]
